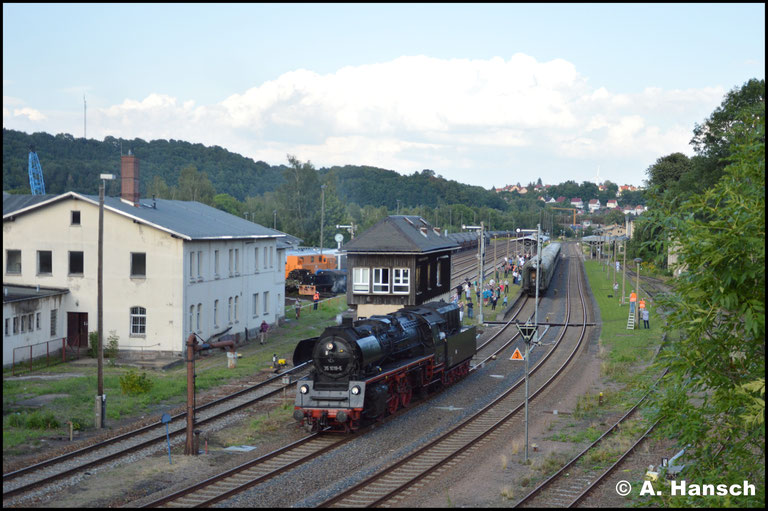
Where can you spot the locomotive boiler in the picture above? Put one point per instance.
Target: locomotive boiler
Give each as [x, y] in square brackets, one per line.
[363, 370]
[532, 276]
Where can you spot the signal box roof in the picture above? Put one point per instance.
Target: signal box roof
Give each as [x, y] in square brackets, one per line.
[401, 234]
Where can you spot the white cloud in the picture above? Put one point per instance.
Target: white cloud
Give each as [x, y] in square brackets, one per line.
[418, 112]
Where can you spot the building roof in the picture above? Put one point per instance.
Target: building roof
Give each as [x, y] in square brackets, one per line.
[18, 293]
[400, 234]
[188, 220]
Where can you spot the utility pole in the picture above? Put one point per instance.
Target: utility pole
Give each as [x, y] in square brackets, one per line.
[624, 272]
[101, 399]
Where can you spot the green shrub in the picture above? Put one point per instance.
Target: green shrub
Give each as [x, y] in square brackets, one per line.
[110, 350]
[132, 383]
[34, 420]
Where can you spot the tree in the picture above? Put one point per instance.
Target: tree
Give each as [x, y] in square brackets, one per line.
[195, 186]
[713, 396]
[667, 171]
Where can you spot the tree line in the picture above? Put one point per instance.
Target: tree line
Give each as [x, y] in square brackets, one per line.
[710, 208]
[288, 197]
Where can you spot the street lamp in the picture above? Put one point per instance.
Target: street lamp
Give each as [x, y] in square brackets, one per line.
[101, 399]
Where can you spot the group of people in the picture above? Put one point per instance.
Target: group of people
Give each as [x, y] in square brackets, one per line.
[491, 294]
[643, 313]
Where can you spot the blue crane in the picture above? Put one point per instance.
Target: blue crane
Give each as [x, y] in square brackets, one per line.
[36, 182]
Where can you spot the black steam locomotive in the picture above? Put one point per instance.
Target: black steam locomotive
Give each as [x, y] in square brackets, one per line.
[366, 369]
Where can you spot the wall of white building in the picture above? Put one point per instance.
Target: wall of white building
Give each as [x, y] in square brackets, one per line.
[173, 283]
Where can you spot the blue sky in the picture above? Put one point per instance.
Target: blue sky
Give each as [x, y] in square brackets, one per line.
[487, 94]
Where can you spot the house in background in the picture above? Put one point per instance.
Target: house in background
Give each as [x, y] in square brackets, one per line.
[400, 261]
[171, 267]
[594, 205]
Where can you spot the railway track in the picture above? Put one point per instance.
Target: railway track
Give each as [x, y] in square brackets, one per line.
[448, 448]
[238, 479]
[575, 481]
[36, 476]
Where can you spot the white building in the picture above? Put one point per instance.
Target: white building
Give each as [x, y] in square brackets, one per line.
[170, 267]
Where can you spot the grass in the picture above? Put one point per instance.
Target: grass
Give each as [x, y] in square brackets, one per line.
[168, 387]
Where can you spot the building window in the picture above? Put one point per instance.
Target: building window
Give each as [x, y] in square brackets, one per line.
[237, 261]
[15, 325]
[401, 280]
[215, 313]
[265, 257]
[138, 264]
[7, 327]
[37, 321]
[381, 280]
[271, 257]
[44, 262]
[266, 302]
[229, 311]
[199, 313]
[191, 318]
[191, 265]
[255, 307]
[75, 218]
[199, 265]
[437, 274]
[360, 280]
[75, 263]
[237, 314]
[13, 261]
[256, 259]
[216, 263]
[138, 321]
[23, 323]
[54, 314]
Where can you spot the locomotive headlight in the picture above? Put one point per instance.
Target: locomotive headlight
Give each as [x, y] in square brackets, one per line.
[304, 389]
[355, 390]
[329, 346]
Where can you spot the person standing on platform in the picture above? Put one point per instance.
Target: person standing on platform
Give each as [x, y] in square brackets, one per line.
[316, 300]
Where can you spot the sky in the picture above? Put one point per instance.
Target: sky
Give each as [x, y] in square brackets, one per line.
[484, 94]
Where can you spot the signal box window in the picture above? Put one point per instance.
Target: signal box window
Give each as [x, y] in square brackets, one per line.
[75, 218]
[76, 263]
[381, 280]
[360, 280]
[401, 280]
[138, 264]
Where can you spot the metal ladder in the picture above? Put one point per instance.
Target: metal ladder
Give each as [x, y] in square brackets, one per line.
[631, 321]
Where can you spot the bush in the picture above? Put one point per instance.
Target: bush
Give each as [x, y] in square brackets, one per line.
[110, 345]
[133, 383]
[34, 420]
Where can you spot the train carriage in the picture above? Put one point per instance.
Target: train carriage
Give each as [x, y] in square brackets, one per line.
[550, 256]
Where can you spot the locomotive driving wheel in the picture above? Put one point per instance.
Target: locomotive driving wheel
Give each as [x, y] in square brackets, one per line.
[393, 402]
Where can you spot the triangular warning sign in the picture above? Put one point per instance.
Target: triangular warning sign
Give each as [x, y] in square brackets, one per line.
[516, 355]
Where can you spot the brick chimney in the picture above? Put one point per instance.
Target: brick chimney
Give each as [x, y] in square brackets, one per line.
[129, 176]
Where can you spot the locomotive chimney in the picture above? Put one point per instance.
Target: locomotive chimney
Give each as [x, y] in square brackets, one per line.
[347, 318]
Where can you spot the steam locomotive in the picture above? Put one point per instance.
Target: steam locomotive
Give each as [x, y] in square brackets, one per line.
[363, 370]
